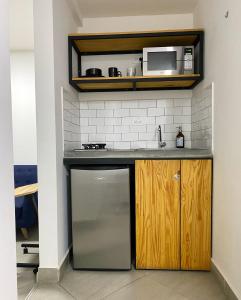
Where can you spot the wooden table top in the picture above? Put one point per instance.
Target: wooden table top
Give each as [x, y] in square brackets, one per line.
[26, 190]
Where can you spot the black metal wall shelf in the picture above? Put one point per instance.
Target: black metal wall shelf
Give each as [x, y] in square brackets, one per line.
[134, 42]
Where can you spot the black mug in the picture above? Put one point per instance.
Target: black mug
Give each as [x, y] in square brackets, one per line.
[113, 72]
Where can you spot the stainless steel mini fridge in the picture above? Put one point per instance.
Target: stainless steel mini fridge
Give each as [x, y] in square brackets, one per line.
[101, 217]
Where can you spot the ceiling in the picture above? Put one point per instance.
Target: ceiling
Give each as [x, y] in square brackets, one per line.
[116, 8]
[21, 25]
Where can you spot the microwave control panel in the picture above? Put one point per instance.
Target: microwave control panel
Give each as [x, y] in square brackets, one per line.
[188, 59]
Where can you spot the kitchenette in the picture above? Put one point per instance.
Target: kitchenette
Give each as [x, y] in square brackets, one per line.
[138, 151]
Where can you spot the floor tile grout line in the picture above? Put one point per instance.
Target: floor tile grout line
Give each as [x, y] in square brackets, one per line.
[67, 291]
[33, 289]
[124, 286]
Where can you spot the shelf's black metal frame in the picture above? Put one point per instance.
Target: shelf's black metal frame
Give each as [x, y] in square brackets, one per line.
[198, 61]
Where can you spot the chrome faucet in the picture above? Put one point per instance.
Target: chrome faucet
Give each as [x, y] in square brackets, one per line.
[161, 143]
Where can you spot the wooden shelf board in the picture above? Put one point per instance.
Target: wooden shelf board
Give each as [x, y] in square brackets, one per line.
[133, 41]
[141, 82]
[184, 30]
[136, 78]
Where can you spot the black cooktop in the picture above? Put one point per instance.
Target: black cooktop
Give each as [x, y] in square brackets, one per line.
[96, 146]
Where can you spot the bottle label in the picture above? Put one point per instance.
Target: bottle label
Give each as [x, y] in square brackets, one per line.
[180, 142]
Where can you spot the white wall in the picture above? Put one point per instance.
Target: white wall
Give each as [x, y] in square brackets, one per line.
[51, 55]
[23, 108]
[63, 24]
[223, 67]
[21, 25]
[8, 273]
[135, 23]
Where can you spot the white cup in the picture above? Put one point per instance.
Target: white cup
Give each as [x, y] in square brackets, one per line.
[131, 72]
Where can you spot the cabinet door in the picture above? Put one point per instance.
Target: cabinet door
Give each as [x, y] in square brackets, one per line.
[157, 214]
[196, 214]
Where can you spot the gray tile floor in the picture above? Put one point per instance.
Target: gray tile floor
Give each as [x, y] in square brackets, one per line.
[134, 285]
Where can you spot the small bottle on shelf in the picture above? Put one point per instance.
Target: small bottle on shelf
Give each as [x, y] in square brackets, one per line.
[180, 139]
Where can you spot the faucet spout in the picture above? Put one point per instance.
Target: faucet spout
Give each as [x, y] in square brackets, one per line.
[162, 144]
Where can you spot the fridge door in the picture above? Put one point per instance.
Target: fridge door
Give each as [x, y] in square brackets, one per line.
[101, 218]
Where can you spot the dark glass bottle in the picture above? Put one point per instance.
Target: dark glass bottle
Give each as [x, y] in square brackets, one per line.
[180, 139]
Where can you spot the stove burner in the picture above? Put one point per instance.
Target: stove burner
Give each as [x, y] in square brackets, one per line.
[94, 146]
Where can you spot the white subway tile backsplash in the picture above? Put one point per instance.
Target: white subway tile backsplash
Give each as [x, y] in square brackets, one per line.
[138, 120]
[138, 112]
[129, 104]
[122, 145]
[112, 104]
[185, 127]
[182, 102]
[67, 115]
[121, 129]
[113, 137]
[75, 120]
[136, 128]
[112, 121]
[171, 144]
[173, 111]
[152, 128]
[186, 111]
[164, 120]
[71, 121]
[154, 112]
[147, 103]
[171, 128]
[130, 136]
[122, 112]
[67, 136]
[84, 138]
[84, 113]
[109, 145]
[187, 135]
[201, 133]
[138, 144]
[105, 129]
[97, 138]
[88, 129]
[182, 119]
[165, 103]
[171, 136]
[105, 113]
[83, 105]
[152, 144]
[96, 121]
[84, 122]
[128, 124]
[149, 136]
[188, 144]
[96, 105]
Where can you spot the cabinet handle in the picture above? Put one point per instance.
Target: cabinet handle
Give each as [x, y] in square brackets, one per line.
[177, 176]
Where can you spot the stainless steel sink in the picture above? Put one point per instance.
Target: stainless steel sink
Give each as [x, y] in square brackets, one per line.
[143, 150]
[155, 149]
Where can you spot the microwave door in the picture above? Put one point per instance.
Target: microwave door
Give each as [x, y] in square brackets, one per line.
[162, 61]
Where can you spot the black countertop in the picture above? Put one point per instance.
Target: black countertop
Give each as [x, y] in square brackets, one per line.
[91, 157]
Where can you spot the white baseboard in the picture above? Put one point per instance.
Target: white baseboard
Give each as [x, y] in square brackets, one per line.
[229, 292]
[53, 275]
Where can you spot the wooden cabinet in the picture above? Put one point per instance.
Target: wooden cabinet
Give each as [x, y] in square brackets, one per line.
[173, 214]
[196, 214]
[157, 214]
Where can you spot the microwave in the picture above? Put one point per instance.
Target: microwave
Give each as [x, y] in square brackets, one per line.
[168, 60]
